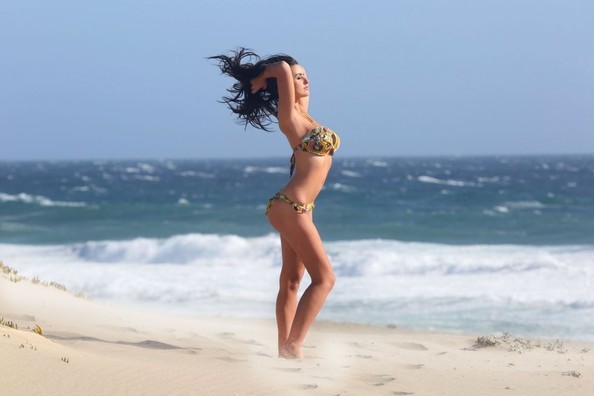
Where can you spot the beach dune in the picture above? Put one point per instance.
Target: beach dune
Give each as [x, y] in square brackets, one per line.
[93, 348]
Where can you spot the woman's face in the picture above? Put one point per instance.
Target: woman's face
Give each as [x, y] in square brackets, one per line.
[301, 81]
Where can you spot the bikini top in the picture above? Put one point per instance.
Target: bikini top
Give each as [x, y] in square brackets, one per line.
[319, 141]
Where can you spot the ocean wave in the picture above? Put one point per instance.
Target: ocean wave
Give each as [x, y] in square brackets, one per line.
[360, 258]
[349, 173]
[200, 249]
[38, 200]
[345, 188]
[524, 204]
[378, 163]
[148, 178]
[378, 281]
[381, 257]
[266, 169]
[516, 205]
[140, 167]
[449, 182]
[493, 179]
[191, 173]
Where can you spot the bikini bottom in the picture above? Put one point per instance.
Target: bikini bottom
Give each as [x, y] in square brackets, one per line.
[299, 207]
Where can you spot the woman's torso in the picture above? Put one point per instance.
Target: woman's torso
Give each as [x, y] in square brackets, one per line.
[309, 177]
[310, 169]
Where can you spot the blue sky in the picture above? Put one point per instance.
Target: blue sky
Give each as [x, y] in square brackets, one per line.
[130, 79]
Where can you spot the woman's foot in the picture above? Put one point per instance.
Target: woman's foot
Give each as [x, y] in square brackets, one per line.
[290, 351]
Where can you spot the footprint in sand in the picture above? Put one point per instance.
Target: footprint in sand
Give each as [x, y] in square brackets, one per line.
[413, 366]
[307, 386]
[289, 369]
[251, 342]
[413, 346]
[357, 344]
[231, 336]
[381, 380]
[232, 360]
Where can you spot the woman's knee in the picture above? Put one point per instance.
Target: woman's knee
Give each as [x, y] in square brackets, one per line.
[331, 281]
[326, 280]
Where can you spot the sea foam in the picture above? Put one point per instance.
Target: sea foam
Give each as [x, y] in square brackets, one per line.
[37, 200]
[382, 270]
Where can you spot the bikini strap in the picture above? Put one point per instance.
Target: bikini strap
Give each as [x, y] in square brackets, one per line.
[308, 118]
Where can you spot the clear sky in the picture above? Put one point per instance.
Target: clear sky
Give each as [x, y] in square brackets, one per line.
[117, 79]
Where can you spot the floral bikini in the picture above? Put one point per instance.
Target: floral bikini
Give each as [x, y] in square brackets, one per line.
[319, 141]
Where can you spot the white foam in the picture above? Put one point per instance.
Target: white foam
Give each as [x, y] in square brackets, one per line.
[524, 205]
[517, 205]
[494, 179]
[37, 200]
[449, 182]
[149, 178]
[378, 163]
[267, 169]
[377, 279]
[345, 188]
[204, 175]
[148, 168]
[348, 173]
[197, 249]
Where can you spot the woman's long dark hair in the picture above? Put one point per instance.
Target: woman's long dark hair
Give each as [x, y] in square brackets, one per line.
[259, 109]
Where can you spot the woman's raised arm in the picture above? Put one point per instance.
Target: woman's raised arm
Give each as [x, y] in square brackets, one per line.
[281, 71]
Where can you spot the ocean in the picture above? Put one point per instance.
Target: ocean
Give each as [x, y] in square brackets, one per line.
[461, 244]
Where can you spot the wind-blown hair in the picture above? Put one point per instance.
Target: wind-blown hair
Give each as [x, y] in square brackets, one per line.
[259, 109]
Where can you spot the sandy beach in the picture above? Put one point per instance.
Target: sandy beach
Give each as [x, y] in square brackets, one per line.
[92, 348]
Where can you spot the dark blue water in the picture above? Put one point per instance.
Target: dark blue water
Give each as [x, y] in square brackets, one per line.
[545, 200]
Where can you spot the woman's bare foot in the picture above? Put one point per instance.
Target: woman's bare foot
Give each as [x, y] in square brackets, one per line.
[290, 351]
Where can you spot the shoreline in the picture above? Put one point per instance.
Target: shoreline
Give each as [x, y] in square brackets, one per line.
[94, 348]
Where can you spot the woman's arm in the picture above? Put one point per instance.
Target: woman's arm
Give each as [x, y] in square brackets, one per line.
[281, 71]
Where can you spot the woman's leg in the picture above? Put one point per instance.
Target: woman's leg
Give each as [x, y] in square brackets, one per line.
[300, 232]
[286, 301]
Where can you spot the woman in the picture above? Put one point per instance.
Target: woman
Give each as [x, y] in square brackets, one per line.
[277, 89]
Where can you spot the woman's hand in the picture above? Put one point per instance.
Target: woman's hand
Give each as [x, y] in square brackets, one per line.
[258, 83]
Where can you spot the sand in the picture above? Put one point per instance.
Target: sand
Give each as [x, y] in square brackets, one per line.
[93, 348]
